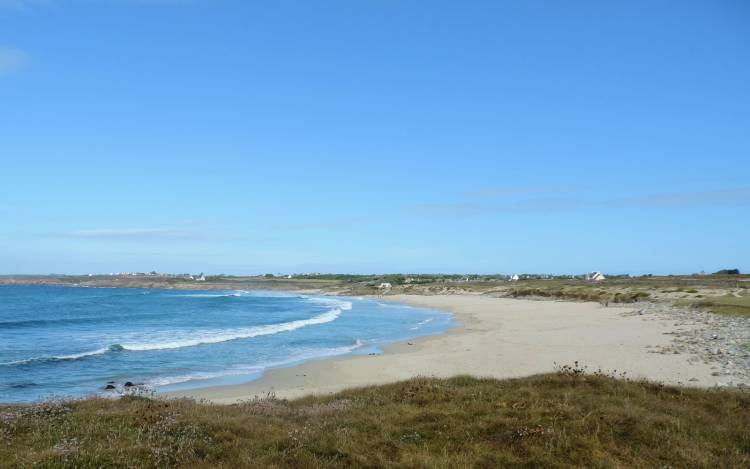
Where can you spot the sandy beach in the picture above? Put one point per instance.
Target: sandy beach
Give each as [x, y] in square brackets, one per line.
[496, 337]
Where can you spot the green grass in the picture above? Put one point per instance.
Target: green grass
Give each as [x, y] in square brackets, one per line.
[566, 419]
[727, 305]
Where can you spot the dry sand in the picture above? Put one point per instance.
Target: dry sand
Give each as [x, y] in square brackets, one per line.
[497, 337]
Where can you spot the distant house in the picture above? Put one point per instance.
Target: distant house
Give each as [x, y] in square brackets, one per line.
[596, 276]
[514, 278]
[385, 286]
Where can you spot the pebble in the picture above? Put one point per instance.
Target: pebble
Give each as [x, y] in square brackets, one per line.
[721, 341]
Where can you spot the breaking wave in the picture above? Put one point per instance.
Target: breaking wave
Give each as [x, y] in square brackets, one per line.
[191, 339]
[62, 358]
[209, 295]
[182, 339]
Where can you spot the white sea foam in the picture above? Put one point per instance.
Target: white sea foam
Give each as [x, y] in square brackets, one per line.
[252, 369]
[208, 295]
[193, 338]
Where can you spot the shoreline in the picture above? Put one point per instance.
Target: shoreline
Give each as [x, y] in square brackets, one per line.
[494, 337]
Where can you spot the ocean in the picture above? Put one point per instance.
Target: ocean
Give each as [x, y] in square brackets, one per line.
[60, 342]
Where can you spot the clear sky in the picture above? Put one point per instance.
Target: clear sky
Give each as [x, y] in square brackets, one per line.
[243, 136]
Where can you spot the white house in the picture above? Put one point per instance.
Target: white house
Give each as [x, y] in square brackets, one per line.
[596, 276]
[202, 278]
[385, 286]
[514, 278]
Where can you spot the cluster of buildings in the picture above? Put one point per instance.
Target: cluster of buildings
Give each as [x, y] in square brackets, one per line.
[595, 276]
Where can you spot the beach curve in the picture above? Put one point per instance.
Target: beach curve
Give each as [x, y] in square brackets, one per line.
[496, 337]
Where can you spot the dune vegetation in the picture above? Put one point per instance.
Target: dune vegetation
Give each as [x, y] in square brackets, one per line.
[579, 294]
[566, 419]
[727, 305]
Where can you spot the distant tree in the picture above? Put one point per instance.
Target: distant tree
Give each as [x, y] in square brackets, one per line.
[728, 272]
[268, 276]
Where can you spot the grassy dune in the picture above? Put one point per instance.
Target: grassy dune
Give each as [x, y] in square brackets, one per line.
[727, 305]
[579, 294]
[567, 419]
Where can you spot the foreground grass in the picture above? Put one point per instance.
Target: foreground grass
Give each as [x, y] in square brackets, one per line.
[727, 305]
[559, 420]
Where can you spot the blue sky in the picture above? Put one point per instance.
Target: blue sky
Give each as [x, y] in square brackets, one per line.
[374, 136]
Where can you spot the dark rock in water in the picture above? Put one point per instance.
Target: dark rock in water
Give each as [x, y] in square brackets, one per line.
[129, 384]
[110, 382]
[109, 387]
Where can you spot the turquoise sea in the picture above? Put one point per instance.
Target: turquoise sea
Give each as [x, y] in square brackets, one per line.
[71, 342]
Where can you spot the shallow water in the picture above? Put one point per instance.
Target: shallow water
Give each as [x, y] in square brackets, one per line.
[59, 341]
